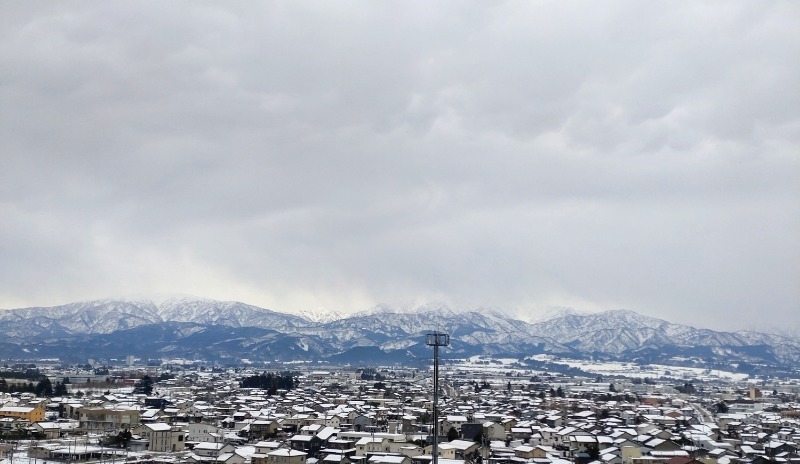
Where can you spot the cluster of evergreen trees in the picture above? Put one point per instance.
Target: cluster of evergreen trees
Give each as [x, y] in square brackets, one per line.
[42, 388]
[371, 374]
[270, 382]
[28, 373]
[687, 388]
[144, 386]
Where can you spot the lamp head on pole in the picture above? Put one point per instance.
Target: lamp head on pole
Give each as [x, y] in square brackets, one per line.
[437, 339]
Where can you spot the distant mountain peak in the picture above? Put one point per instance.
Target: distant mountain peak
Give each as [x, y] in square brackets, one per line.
[628, 316]
[552, 312]
[155, 298]
[414, 308]
[320, 316]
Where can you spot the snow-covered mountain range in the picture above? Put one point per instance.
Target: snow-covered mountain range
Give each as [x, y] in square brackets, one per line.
[193, 327]
[109, 316]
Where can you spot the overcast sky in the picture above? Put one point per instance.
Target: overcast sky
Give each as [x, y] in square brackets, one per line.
[338, 155]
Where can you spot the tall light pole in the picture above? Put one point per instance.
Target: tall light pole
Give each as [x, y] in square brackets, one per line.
[436, 339]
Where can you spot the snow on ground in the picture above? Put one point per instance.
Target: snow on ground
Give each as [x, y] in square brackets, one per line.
[644, 370]
[489, 365]
[501, 366]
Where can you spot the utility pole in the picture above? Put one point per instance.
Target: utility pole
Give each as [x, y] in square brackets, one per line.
[436, 339]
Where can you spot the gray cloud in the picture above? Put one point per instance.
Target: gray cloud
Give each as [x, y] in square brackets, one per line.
[345, 154]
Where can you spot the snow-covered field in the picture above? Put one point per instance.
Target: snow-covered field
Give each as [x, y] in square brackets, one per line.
[647, 370]
[489, 365]
[500, 366]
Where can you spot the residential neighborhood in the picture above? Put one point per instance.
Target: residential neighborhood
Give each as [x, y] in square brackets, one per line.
[384, 416]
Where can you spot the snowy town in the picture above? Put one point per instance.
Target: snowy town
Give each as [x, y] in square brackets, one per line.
[151, 414]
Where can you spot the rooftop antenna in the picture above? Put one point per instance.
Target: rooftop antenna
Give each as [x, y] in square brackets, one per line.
[436, 339]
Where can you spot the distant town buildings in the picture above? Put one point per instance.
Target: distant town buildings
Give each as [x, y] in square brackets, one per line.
[493, 414]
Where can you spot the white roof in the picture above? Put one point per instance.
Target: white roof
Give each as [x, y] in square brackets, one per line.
[16, 409]
[366, 440]
[286, 452]
[158, 426]
[462, 444]
[388, 459]
[583, 438]
[209, 445]
[48, 425]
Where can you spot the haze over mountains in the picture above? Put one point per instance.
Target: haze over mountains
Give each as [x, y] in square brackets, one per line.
[193, 328]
